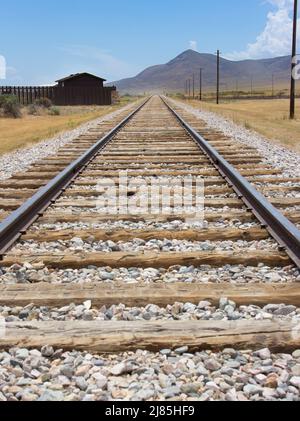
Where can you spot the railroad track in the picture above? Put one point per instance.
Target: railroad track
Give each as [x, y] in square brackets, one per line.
[58, 248]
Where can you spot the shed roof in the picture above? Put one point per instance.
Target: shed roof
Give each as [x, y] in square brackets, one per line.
[80, 74]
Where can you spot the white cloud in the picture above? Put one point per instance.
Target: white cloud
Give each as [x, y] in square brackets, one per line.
[2, 67]
[12, 76]
[100, 61]
[193, 45]
[276, 37]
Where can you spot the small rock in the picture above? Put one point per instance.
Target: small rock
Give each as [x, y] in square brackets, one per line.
[82, 370]
[230, 351]
[168, 369]
[118, 369]
[67, 371]
[184, 270]
[285, 311]
[295, 381]
[251, 389]
[271, 381]
[107, 276]
[88, 304]
[45, 377]
[274, 277]
[296, 370]
[260, 378]
[234, 364]
[81, 383]
[223, 303]
[77, 242]
[28, 397]
[182, 350]
[22, 354]
[88, 316]
[144, 395]
[100, 380]
[212, 386]
[263, 354]
[212, 365]
[269, 393]
[191, 388]
[47, 351]
[204, 304]
[2, 398]
[166, 352]
[23, 314]
[51, 396]
[231, 395]
[296, 354]
[171, 392]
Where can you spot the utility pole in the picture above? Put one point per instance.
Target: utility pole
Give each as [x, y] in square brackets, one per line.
[200, 84]
[273, 83]
[218, 76]
[193, 85]
[189, 88]
[251, 85]
[294, 51]
[186, 87]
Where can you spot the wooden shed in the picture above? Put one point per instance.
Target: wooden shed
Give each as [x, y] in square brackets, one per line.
[81, 79]
[83, 89]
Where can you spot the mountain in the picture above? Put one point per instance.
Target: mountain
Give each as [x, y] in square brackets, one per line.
[171, 76]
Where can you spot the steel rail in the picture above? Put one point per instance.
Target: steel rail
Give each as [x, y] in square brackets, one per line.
[18, 222]
[279, 227]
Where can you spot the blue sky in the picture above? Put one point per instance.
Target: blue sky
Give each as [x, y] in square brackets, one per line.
[44, 40]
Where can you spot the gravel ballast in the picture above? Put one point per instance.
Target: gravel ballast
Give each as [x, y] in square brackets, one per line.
[227, 310]
[30, 274]
[138, 245]
[52, 375]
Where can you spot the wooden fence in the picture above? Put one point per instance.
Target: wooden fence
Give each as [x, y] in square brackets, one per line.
[62, 95]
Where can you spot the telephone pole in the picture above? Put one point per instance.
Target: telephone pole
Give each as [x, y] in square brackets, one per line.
[273, 83]
[218, 76]
[200, 92]
[193, 85]
[294, 51]
[189, 88]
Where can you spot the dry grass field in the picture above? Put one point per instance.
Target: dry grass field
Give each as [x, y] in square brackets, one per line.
[268, 117]
[25, 131]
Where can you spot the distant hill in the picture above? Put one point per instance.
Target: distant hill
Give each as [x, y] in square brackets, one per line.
[171, 76]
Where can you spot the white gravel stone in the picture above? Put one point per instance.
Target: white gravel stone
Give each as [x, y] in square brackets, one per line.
[202, 274]
[148, 376]
[177, 311]
[138, 245]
